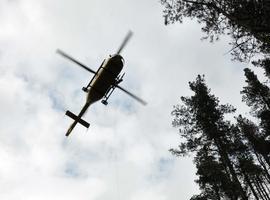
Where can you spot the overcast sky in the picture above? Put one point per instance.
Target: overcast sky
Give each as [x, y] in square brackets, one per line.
[124, 154]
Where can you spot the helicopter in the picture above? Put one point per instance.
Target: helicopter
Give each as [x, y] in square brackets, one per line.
[102, 84]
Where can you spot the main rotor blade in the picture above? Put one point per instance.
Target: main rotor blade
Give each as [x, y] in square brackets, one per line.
[132, 95]
[128, 36]
[75, 61]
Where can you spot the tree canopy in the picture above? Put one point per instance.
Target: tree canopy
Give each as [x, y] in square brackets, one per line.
[231, 159]
[246, 21]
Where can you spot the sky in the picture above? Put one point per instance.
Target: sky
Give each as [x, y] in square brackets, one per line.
[124, 154]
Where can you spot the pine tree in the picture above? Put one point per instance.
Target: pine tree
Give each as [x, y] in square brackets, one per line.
[256, 140]
[201, 121]
[227, 154]
[244, 158]
[257, 96]
[212, 175]
[265, 64]
[246, 21]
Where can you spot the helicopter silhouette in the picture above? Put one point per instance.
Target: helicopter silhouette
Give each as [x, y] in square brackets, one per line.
[102, 84]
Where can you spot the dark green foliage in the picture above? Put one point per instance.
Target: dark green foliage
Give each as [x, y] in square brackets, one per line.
[232, 160]
[213, 176]
[225, 154]
[265, 64]
[255, 94]
[246, 21]
[200, 114]
[201, 197]
[202, 125]
[255, 137]
[265, 122]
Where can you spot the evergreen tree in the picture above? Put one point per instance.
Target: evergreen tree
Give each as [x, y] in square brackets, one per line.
[257, 96]
[201, 121]
[212, 175]
[232, 161]
[225, 154]
[265, 64]
[243, 155]
[256, 140]
[246, 21]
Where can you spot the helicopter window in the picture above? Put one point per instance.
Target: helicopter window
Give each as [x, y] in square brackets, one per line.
[123, 61]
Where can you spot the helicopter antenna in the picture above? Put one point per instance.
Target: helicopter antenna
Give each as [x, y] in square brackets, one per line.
[128, 36]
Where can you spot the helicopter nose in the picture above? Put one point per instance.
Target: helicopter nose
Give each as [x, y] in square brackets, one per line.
[117, 59]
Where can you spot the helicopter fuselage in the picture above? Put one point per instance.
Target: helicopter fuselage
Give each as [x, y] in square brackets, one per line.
[105, 78]
[103, 83]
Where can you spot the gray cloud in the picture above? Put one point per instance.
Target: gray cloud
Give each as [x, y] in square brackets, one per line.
[124, 154]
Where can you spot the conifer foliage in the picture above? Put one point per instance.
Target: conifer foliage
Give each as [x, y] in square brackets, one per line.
[246, 21]
[232, 159]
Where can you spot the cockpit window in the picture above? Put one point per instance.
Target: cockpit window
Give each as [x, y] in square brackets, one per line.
[123, 61]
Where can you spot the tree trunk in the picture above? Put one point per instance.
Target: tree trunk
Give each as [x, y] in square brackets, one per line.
[266, 158]
[216, 189]
[227, 162]
[264, 193]
[266, 186]
[250, 186]
[259, 190]
[263, 189]
[263, 166]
